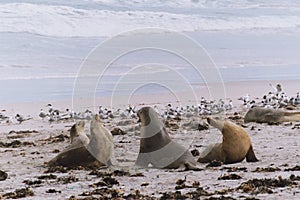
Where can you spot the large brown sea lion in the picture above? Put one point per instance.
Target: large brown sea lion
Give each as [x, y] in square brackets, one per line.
[265, 115]
[94, 150]
[235, 147]
[157, 148]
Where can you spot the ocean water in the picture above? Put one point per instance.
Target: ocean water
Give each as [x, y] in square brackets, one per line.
[43, 43]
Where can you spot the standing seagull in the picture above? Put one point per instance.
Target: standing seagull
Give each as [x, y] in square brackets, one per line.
[42, 114]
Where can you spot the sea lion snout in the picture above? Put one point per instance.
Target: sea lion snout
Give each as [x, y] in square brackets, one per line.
[81, 124]
[208, 120]
[144, 116]
[97, 118]
[216, 122]
[139, 115]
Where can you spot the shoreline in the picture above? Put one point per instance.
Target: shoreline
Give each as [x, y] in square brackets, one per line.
[233, 90]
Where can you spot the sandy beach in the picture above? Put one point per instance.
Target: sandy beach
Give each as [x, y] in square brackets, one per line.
[27, 146]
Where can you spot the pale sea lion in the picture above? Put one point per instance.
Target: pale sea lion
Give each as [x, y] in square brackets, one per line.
[101, 144]
[265, 115]
[235, 147]
[93, 150]
[157, 148]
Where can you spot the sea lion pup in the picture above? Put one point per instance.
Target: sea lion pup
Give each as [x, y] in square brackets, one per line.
[265, 115]
[236, 144]
[157, 148]
[86, 151]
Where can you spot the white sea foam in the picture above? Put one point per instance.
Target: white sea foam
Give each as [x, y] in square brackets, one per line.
[67, 21]
[44, 42]
[240, 4]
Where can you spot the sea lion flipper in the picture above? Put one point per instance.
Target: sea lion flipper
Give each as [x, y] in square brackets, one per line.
[250, 156]
[190, 166]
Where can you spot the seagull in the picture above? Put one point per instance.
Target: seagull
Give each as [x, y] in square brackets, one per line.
[229, 106]
[277, 89]
[245, 98]
[42, 114]
[49, 105]
[297, 99]
[21, 119]
[51, 118]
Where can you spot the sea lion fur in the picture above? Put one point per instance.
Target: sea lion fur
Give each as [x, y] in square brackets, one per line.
[235, 147]
[157, 149]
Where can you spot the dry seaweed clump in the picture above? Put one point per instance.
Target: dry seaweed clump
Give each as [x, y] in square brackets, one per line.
[108, 193]
[256, 186]
[67, 179]
[19, 193]
[214, 163]
[103, 193]
[115, 173]
[197, 194]
[267, 169]
[106, 181]
[296, 168]
[220, 198]
[230, 177]
[174, 195]
[117, 131]
[62, 169]
[235, 169]
[137, 195]
[15, 144]
[35, 183]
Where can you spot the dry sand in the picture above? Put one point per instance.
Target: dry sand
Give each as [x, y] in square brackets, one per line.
[276, 146]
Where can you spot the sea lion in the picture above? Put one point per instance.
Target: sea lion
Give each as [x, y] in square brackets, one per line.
[93, 150]
[265, 115]
[236, 144]
[101, 144]
[157, 148]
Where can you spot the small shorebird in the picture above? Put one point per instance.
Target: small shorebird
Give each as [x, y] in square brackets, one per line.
[42, 114]
[21, 119]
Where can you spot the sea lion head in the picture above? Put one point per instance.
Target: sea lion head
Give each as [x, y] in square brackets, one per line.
[96, 118]
[78, 127]
[150, 122]
[216, 122]
[253, 114]
[147, 115]
[95, 122]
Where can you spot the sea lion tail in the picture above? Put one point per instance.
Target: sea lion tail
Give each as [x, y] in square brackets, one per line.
[250, 156]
